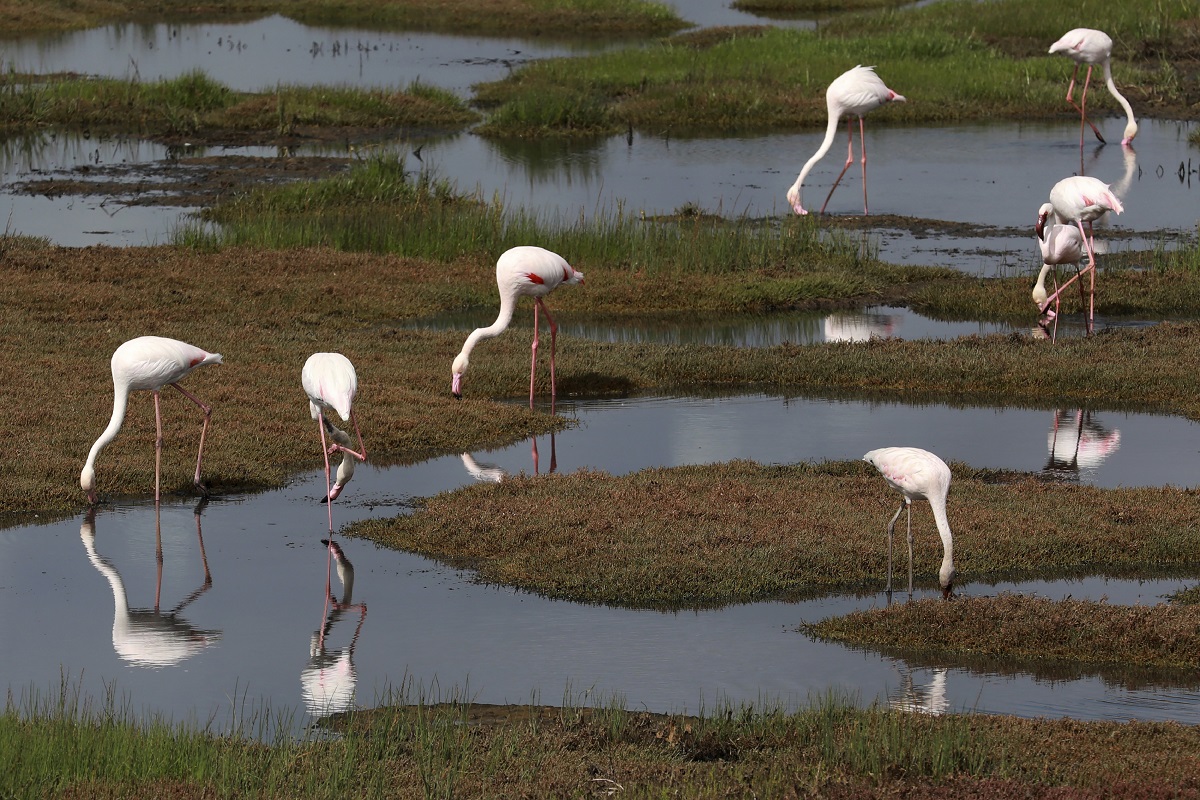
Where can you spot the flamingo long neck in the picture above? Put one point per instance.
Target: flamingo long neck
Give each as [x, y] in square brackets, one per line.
[1131, 124]
[830, 132]
[508, 302]
[1039, 288]
[120, 402]
[120, 600]
[946, 573]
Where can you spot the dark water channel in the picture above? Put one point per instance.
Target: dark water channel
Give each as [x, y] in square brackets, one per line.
[252, 638]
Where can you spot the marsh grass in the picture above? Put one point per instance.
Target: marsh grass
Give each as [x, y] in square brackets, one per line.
[419, 746]
[551, 18]
[1021, 631]
[196, 106]
[702, 536]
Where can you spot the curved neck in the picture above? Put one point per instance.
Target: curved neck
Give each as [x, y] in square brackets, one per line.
[120, 401]
[508, 302]
[830, 132]
[946, 573]
[1112, 89]
[120, 600]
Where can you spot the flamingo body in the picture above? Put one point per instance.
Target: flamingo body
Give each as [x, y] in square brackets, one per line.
[148, 363]
[331, 384]
[918, 475]
[1086, 46]
[856, 92]
[525, 271]
[1060, 244]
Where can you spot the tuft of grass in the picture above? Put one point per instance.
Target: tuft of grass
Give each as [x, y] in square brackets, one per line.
[1021, 630]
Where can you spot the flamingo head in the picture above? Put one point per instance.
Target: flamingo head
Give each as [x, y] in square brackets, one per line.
[946, 581]
[456, 373]
[1131, 130]
[576, 277]
[1043, 214]
[793, 198]
[87, 481]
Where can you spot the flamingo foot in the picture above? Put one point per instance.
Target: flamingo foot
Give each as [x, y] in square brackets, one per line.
[800, 210]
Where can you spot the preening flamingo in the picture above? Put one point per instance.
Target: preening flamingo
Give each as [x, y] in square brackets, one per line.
[1060, 244]
[1092, 47]
[525, 271]
[1074, 201]
[918, 475]
[330, 382]
[149, 362]
[855, 92]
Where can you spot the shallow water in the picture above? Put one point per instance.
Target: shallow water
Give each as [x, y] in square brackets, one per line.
[254, 635]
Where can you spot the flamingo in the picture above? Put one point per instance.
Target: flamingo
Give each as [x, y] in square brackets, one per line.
[1060, 244]
[856, 91]
[525, 271]
[1092, 47]
[1077, 200]
[918, 475]
[149, 362]
[330, 382]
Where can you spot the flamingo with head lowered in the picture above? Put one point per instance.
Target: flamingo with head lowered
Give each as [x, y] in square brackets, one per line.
[1092, 47]
[1074, 201]
[525, 271]
[918, 475]
[149, 363]
[331, 384]
[855, 92]
[1060, 244]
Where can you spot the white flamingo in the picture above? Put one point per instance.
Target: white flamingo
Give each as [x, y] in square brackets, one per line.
[1074, 201]
[331, 384]
[150, 363]
[1092, 47]
[525, 271]
[1059, 244]
[918, 475]
[855, 92]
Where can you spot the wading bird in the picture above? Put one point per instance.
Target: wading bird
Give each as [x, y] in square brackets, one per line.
[520, 272]
[855, 92]
[1060, 244]
[1092, 47]
[150, 363]
[1074, 201]
[918, 475]
[331, 384]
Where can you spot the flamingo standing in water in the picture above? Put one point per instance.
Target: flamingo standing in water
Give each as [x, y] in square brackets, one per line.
[1092, 47]
[330, 382]
[149, 362]
[855, 92]
[520, 272]
[1060, 244]
[1074, 201]
[918, 475]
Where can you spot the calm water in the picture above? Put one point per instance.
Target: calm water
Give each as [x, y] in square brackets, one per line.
[87, 590]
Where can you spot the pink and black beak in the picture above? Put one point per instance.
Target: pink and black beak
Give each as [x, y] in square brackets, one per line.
[1041, 224]
[456, 386]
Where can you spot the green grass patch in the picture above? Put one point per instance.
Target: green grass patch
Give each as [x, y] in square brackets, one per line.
[702, 536]
[791, 9]
[196, 106]
[1020, 630]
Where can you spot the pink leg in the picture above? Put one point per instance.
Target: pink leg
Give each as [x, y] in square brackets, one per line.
[157, 446]
[849, 161]
[203, 432]
[325, 452]
[1083, 104]
[361, 454]
[862, 145]
[553, 337]
[157, 555]
[203, 556]
[533, 362]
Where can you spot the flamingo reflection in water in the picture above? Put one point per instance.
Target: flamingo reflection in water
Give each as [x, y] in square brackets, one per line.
[488, 472]
[910, 696]
[1077, 441]
[859, 327]
[151, 637]
[328, 680]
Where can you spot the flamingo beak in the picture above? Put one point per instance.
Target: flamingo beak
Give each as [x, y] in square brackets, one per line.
[456, 386]
[1040, 226]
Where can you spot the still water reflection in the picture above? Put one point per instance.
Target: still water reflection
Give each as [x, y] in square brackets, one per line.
[431, 624]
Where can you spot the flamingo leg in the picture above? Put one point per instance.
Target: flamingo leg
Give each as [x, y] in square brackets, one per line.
[200, 536]
[157, 446]
[325, 453]
[533, 363]
[1083, 105]
[553, 337]
[361, 453]
[910, 552]
[158, 557]
[203, 433]
[862, 145]
[890, 529]
[849, 161]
